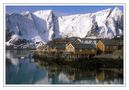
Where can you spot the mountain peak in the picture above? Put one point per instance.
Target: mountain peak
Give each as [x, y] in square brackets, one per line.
[106, 10]
[116, 11]
[117, 14]
[25, 13]
[46, 12]
[43, 26]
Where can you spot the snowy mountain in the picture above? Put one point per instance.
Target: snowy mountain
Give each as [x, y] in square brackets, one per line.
[43, 26]
[103, 24]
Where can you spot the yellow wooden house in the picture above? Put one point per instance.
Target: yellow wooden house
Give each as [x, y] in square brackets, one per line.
[85, 49]
[106, 46]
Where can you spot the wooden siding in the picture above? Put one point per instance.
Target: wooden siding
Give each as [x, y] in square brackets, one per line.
[86, 52]
[106, 48]
[110, 48]
[100, 46]
[70, 48]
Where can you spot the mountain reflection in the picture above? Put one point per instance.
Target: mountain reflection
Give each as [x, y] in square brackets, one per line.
[21, 69]
[24, 72]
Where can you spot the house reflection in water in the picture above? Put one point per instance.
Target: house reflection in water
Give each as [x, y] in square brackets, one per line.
[66, 74]
[23, 71]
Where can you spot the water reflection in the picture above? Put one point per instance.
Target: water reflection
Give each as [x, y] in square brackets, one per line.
[21, 69]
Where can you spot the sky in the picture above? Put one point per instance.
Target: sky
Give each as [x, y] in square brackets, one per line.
[60, 10]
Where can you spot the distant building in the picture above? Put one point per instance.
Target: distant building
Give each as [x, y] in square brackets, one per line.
[62, 48]
[85, 49]
[73, 50]
[106, 46]
[88, 41]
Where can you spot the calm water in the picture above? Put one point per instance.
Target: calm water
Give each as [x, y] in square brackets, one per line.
[21, 68]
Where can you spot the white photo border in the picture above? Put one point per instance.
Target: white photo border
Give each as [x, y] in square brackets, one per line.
[63, 4]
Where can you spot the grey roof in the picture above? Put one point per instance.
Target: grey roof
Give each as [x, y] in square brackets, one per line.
[84, 46]
[61, 43]
[58, 46]
[109, 42]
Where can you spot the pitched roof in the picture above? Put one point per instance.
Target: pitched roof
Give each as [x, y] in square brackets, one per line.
[84, 46]
[109, 42]
[60, 46]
